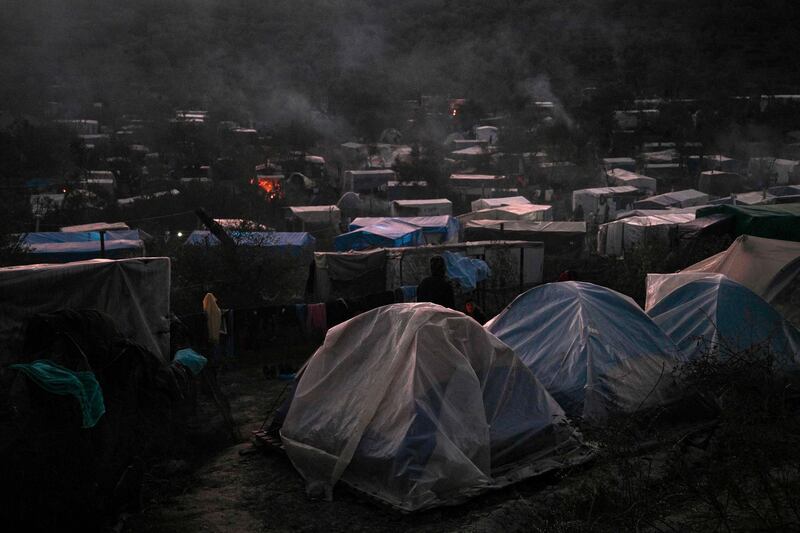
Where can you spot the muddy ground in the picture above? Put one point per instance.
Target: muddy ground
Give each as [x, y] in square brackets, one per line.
[239, 488]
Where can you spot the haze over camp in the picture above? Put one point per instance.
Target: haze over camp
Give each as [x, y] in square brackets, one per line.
[327, 265]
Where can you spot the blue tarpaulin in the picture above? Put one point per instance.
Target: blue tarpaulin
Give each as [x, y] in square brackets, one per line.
[191, 360]
[64, 247]
[466, 270]
[387, 233]
[438, 229]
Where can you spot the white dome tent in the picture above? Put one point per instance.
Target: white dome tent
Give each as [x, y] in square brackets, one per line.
[418, 406]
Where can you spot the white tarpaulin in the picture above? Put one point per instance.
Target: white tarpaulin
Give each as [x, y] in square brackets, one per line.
[135, 292]
[620, 177]
[487, 203]
[615, 238]
[418, 406]
[317, 214]
[716, 313]
[593, 349]
[528, 211]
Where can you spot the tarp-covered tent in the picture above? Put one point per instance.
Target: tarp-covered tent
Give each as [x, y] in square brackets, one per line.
[685, 198]
[781, 221]
[135, 292]
[561, 236]
[366, 180]
[488, 203]
[315, 215]
[419, 406]
[625, 163]
[64, 247]
[436, 230]
[718, 183]
[784, 171]
[619, 177]
[422, 208]
[97, 226]
[649, 212]
[768, 267]
[601, 204]
[387, 233]
[531, 212]
[593, 349]
[714, 312]
[619, 236]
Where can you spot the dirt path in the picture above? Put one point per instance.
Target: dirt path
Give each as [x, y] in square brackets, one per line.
[235, 490]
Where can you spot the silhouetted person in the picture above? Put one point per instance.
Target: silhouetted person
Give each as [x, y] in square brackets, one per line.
[437, 288]
[471, 309]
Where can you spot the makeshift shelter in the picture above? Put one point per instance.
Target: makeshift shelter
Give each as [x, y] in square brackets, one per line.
[64, 247]
[721, 163]
[531, 212]
[601, 204]
[558, 237]
[296, 242]
[477, 181]
[367, 180]
[684, 198]
[422, 208]
[718, 183]
[386, 233]
[448, 411]
[593, 349]
[97, 226]
[486, 133]
[624, 163]
[488, 203]
[617, 237]
[780, 221]
[620, 177]
[774, 170]
[406, 190]
[314, 216]
[715, 314]
[135, 292]
[436, 230]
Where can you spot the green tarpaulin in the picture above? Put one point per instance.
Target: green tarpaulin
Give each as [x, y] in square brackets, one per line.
[781, 221]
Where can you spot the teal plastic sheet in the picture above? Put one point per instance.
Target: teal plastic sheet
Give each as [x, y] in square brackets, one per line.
[56, 379]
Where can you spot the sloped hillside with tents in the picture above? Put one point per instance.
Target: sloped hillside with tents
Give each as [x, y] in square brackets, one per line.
[419, 406]
[593, 349]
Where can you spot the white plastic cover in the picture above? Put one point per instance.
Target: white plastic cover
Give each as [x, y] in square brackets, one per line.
[418, 406]
[317, 214]
[135, 292]
[624, 234]
[594, 349]
[486, 203]
[716, 312]
[511, 212]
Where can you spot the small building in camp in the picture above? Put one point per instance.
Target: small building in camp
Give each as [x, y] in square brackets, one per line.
[487, 203]
[422, 208]
[619, 177]
[477, 184]
[68, 246]
[559, 237]
[407, 190]
[530, 212]
[719, 183]
[601, 204]
[365, 181]
[722, 163]
[684, 198]
[766, 171]
[383, 233]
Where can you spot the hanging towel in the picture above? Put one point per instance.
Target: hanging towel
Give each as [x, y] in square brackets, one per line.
[213, 317]
[409, 293]
[56, 379]
[317, 319]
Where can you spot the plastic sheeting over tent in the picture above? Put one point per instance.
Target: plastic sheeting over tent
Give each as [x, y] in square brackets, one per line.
[615, 238]
[780, 221]
[594, 349]
[135, 292]
[532, 212]
[715, 312]
[562, 236]
[620, 177]
[488, 203]
[317, 214]
[64, 247]
[388, 233]
[765, 266]
[437, 229]
[685, 198]
[419, 406]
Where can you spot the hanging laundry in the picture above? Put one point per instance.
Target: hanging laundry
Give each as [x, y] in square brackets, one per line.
[213, 317]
